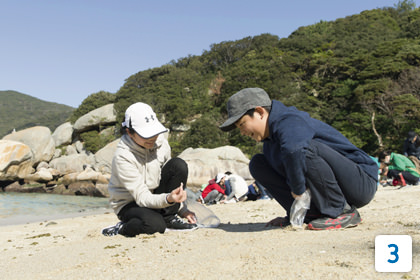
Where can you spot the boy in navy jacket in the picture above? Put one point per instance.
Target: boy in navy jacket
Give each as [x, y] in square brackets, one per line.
[300, 152]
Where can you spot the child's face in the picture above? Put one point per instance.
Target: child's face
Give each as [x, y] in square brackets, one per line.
[255, 126]
[148, 143]
[222, 182]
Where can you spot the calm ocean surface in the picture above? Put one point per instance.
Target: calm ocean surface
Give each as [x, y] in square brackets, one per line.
[20, 208]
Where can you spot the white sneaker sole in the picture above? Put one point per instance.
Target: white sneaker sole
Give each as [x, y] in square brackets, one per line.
[174, 229]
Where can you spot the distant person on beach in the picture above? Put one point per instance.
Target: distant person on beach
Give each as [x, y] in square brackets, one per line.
[215, 191]
[399, 168]
[257, 191]
[411, 145]
[300, 153]
[147, 186]
[238, 186]
[225, 188]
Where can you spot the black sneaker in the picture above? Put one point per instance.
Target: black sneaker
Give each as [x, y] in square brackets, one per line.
[178, 224]
[349, 218]
[112, 230]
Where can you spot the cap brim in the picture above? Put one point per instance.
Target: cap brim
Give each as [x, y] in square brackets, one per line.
[229, 124]
[152, 132]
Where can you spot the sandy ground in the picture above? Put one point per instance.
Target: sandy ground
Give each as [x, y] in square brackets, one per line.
[240, 248]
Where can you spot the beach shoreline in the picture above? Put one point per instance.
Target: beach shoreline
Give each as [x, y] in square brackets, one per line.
[28, 219]
[21, 208]
[242, 247]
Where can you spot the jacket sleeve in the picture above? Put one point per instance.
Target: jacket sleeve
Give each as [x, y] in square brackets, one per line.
[401, 163]
[405, 147]
[132, 180]
[294, 136]
[218, 188]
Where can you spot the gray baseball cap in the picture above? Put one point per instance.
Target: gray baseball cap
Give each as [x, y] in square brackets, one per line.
[242, 101]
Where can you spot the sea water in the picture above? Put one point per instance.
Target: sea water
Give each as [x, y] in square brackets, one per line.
[19, 208]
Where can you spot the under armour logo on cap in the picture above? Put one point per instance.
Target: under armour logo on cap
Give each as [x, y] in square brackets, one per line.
[147, 119]
[143, 120]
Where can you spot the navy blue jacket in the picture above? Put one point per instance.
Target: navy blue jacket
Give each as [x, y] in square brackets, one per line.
[291, 131]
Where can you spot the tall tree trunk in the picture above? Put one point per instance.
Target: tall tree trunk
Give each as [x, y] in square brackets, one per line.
[376, 133]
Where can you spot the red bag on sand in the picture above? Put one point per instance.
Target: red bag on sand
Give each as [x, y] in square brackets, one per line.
[398, 182]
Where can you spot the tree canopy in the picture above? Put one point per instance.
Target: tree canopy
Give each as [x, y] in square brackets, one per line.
[360, 74]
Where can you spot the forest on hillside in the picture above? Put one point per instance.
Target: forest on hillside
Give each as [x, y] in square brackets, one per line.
[19, 111]
[360, 74]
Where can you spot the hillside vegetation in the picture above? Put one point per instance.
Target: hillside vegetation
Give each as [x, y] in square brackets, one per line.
[19, 111]
[360, 74]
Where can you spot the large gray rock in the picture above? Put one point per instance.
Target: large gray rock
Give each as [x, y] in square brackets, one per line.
[57, 153]
[101, 116]
[71, 150]
[87, 175]
[72, 163]
[79, 147]
[15, 160]
[63, 134]
[85, 188]
[204, 164]
[91, 175]
[39, 139]
[41, 175]
[104, 157]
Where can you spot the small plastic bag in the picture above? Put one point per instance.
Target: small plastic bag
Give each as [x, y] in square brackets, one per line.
[299, 208]
[205, 217]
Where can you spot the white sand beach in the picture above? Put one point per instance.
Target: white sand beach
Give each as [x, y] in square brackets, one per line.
[240, 248]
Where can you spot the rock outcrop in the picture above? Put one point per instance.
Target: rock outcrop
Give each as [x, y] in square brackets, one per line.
[39, 139]
[15, 160]
[36, 160]
[63, 134]
[204, 164]
[104, 115]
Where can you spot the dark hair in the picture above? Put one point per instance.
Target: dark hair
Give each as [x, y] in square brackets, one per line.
[130, 128]
[382, 155]
[250, 112]
[411, 134]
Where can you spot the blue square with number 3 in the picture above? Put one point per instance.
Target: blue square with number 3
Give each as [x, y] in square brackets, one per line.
[393, 253]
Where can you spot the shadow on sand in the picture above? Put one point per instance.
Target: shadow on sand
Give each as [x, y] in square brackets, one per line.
[248, 227]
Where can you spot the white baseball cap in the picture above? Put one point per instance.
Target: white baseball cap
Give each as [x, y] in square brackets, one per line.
[219, 177]
[143, 120]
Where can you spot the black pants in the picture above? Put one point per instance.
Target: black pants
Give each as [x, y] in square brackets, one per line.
[138, 219]
[332, 178]
[408, 177]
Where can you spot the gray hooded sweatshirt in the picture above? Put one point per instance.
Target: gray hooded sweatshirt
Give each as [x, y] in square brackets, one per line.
[136, 173]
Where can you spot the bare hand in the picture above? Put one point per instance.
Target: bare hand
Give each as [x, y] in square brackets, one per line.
[177, 195]
[224, 200]
[190, 216]
[295, 196]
